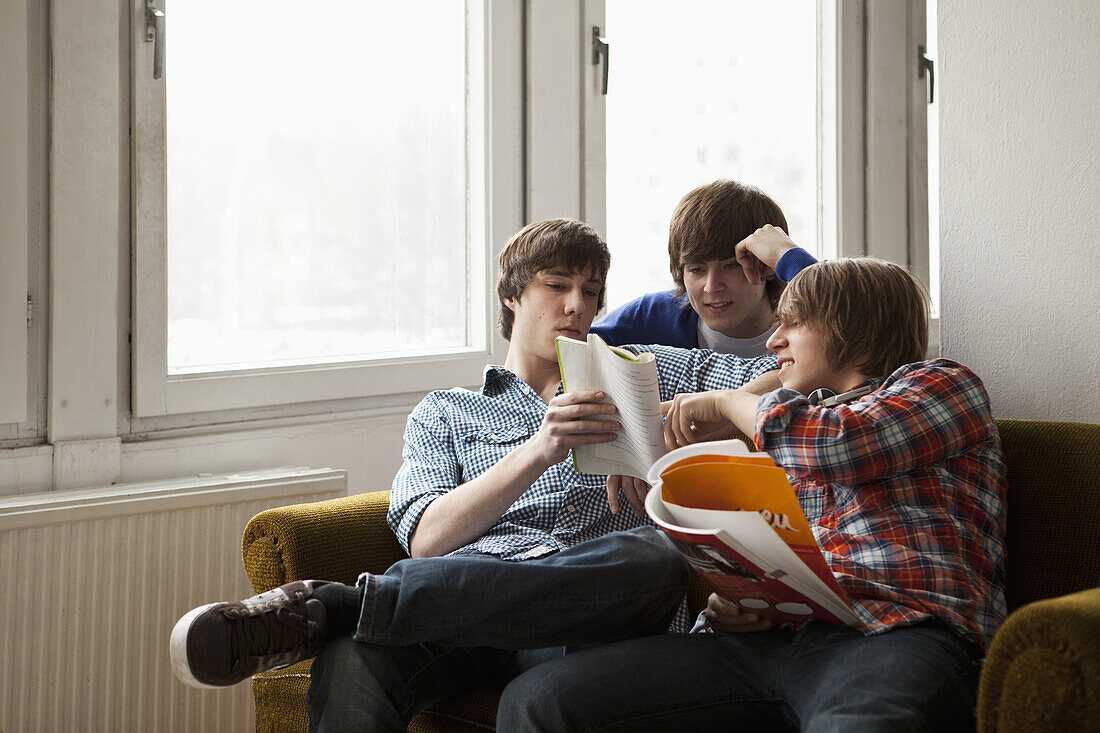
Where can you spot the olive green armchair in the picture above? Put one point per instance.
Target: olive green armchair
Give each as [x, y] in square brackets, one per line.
[1042, 672]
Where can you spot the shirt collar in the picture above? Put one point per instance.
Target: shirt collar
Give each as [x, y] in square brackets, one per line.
[497, 380]
[874, 382]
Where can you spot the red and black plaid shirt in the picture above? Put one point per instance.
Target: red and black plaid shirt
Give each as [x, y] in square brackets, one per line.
[905, 492]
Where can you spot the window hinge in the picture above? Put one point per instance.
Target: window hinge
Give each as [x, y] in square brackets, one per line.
[30, 309]
[926, 64]
[601, 48]
[154, 33]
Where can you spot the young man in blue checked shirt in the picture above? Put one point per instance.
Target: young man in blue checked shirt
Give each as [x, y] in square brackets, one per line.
[486, 483]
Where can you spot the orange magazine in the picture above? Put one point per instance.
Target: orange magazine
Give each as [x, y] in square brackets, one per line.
[736, 519]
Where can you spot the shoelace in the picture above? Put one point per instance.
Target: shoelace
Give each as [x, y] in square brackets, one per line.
[271, 637]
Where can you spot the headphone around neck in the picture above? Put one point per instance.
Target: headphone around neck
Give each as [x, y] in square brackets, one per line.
[825, 397]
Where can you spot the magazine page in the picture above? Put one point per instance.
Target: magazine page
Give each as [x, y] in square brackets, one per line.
[705, 452]
[630, 382]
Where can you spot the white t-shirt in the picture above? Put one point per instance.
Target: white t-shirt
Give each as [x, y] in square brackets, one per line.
[746, 348]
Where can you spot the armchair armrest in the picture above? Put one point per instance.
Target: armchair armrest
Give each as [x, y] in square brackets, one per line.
[1043, 669]
[326, 540]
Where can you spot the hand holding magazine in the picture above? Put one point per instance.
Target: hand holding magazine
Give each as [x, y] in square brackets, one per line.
[732, 513]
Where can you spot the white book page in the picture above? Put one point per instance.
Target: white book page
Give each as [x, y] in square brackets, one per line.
[630, 382]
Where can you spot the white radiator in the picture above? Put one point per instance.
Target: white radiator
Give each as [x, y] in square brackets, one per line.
[93, 580]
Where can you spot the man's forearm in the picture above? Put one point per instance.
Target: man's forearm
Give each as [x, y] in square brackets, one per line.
[761, 385]
[739, 407]
[469, 510]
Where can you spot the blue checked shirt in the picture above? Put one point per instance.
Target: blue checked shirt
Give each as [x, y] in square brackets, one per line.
[455, 435]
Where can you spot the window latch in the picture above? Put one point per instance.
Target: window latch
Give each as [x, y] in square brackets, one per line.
[925, 63]
[154, 33]
[600, 47]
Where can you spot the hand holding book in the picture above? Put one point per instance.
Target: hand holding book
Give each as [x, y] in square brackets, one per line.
[629, 382]
[633, 488]
[697, 417]
[690, 418]
[574, 419]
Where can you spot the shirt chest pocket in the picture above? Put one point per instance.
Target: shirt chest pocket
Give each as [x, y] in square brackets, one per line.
[483, 447]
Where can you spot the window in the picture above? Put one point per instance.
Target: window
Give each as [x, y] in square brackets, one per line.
[315, 212]
[817, 102]
[23, 212]
[700, 93]
[13, 217]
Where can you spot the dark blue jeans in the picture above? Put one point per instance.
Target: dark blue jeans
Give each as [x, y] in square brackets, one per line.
[435, 626]
[821, 678]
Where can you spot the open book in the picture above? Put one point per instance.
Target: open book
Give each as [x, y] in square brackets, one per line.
[628, 380]
[736, 519]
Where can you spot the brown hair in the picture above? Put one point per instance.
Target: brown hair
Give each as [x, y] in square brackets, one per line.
[869, 312]
[571, 245]
[709, 222]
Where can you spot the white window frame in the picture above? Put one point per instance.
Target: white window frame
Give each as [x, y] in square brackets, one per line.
[495, 188]
[14, 213]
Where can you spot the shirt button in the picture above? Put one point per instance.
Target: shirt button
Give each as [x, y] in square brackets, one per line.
[570, 508]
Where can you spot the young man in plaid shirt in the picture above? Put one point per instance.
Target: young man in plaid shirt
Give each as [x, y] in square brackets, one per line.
[902, 479]
[486, 481]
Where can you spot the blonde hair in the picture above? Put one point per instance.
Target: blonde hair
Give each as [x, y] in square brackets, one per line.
[543, 245]
[870, 313]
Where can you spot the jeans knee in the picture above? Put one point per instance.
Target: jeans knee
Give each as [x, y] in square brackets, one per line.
[656, 549]
[526, 706]
[332, 669]
[338, 661]
[350, 689]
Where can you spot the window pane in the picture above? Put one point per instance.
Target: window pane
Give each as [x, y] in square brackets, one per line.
[701, 90]
[316, 182]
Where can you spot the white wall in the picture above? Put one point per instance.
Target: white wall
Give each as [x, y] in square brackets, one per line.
[1020, 201]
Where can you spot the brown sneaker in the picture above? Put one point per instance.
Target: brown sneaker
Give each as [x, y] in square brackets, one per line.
[221, 644]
